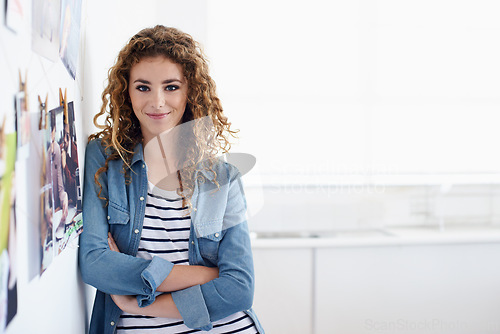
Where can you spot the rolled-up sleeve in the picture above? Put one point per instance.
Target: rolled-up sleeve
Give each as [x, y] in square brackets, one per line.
[233, 290]
[192, 307]
[108, 271]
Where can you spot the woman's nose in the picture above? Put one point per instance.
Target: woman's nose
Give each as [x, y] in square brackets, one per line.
[158, 101]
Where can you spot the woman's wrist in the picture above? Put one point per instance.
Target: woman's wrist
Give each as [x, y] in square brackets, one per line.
[183, 277]
[163, 306]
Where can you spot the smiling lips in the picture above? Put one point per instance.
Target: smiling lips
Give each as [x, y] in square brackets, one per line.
[157, 115]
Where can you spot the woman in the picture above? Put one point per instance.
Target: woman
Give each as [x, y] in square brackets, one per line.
[165, 240]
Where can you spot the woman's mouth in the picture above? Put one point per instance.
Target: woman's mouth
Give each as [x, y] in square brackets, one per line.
[157, 115]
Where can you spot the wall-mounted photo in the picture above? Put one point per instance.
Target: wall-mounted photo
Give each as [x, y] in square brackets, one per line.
[14, 14]
[64, 173]
[70, 34]
[8, 272]
[46, 17]
[46, 203]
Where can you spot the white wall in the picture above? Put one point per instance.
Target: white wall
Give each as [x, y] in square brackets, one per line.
[55, 301]
[58, 301]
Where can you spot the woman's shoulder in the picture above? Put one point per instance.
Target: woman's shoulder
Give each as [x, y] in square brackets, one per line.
[95, 149]
[226, 172]
[97, 146]
[223, 171]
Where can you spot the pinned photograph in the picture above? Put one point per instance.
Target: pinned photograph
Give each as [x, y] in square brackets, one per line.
[14, 14]
[46, 17]
[46, 203]
[8, 272]
[64, 173]
[70, 34]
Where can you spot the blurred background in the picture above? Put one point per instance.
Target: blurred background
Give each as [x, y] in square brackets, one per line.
[374, 203]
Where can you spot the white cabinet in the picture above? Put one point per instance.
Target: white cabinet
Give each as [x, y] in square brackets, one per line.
[283, 289]
[445, 289]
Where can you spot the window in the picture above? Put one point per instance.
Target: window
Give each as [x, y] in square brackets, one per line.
[361, 91]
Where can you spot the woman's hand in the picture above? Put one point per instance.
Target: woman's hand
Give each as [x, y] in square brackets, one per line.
[163, 306]
[112, 244]
[126, 303]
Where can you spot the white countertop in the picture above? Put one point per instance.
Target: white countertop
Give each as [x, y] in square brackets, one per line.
[394, 236]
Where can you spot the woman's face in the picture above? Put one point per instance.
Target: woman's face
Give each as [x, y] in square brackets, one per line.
[158, 92]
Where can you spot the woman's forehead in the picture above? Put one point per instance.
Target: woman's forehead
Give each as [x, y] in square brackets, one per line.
[157, 67]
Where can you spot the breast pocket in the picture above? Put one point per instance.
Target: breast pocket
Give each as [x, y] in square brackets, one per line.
[117, 214]
[118, 219]
[209, 246]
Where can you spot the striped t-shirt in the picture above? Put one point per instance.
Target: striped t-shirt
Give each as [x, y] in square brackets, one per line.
[165, 233]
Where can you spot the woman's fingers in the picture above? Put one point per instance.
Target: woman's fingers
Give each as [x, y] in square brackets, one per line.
[112, 244]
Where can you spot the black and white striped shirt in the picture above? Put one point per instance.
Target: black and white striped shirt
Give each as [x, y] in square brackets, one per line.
[165, 233]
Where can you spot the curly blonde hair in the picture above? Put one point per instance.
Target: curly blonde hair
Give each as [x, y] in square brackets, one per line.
[121, 131]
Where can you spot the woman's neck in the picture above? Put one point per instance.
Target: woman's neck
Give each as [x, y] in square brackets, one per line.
[161, 159]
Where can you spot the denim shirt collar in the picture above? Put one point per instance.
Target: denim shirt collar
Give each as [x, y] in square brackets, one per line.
[139, 156]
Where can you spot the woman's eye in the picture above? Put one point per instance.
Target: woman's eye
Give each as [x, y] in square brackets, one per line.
[142, 88]
[171, 87]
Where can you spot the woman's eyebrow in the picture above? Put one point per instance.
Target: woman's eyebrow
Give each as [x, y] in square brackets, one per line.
[167, 81]
[171, 80]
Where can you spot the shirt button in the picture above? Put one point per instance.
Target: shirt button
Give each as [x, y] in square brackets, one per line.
[109, 217]
[192, 242]
[112, 323]
[136, 231]
[143, 166]
[216, 235]
[141, 198]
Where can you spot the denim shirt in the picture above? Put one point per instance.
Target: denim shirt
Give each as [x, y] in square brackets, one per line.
[218, 237]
